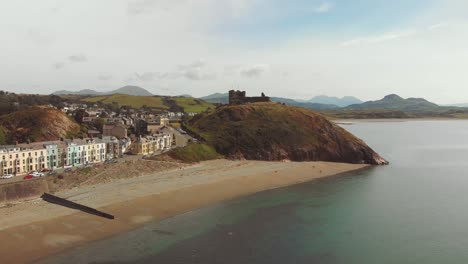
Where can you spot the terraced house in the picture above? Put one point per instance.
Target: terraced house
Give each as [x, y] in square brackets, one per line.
[151, 144]
[21, 160]
[84, 151]
[24, 158]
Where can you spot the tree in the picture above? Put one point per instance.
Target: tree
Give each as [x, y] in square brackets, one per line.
[3, 136]
[79, 114]
[98, 123]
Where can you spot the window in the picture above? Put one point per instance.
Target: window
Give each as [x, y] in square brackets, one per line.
[42, 153]
[11, 163]
[29, 154]
[53, 151]
[23, 155]
[35, 153]
[17, 155]
[10, 157]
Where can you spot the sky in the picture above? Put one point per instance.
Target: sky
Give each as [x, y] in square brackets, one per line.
[296, 48]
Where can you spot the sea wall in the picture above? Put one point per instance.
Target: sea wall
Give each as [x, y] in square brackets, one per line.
[22, 190]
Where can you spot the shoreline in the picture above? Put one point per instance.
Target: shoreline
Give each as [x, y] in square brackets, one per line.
[35, 229]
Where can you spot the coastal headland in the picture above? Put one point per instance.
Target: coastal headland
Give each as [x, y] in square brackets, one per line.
[33, 230]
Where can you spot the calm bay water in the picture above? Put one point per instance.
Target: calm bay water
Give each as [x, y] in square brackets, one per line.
[412, 211]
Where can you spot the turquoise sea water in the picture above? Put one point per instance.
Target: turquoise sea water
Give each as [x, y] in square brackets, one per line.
[412, 211]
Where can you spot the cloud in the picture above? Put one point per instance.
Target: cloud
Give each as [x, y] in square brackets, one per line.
[388, 36]
[139, 7]
[195, 71]
[254, 71]
[77, 58]
[58, 65]
[104, 76]
[324, 7]
[437, 26]
[197, 75]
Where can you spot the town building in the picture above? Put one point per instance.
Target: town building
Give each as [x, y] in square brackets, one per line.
[114, 130]
[149, 145]
[21, 160]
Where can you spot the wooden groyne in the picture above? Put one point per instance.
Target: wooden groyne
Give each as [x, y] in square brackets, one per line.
[64, 202]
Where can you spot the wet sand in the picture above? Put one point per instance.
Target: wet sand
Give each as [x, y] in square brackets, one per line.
[36, 229]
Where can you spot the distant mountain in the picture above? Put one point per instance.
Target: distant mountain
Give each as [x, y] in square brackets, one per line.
[80, 92]
[129, 90]
[342, 102]
[457, 105]
[395, 102]
[223, 98]
[308, 105]
[216, 98]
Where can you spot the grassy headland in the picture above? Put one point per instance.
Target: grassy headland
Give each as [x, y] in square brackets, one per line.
[273, 131]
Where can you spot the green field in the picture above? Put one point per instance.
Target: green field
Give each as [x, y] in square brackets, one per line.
[191, 105]
[162, 103]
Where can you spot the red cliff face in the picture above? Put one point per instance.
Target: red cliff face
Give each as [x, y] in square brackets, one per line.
[270, 131]
[37, 124]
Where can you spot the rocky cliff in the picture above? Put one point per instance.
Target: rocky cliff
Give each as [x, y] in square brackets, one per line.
[37, 124]
[272, 131]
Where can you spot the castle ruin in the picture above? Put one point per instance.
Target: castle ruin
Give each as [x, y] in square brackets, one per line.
[238, 97]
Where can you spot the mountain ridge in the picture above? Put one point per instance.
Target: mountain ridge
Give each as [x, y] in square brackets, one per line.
[128, 90]
[333, 100]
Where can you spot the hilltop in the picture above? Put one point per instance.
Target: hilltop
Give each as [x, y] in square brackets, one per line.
[128, 90]
[394, 101]
[272, 131]
[37, 124]
[158, 103]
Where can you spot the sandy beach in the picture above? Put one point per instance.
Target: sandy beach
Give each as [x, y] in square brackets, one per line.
[35, 229]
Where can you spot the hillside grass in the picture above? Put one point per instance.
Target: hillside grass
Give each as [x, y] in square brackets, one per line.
[257, 126]
[162, 103]
[190, 104]
[194, 153]
[132, 101]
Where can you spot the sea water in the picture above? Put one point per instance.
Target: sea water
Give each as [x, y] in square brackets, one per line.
[413, 211]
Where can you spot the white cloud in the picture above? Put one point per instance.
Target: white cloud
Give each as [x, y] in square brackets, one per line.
[438, 26]
[388, 36]
[324, 7]
[77, 58]
[254, 71]
[58, 65]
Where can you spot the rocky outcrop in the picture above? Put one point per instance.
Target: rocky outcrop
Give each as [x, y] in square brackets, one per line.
[37, 124]
[271, 131]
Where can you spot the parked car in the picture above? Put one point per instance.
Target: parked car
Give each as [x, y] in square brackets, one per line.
[45, 170]
[37, 174]
[6, 176]
[51, 172]
[27, 177]
[68, 170]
